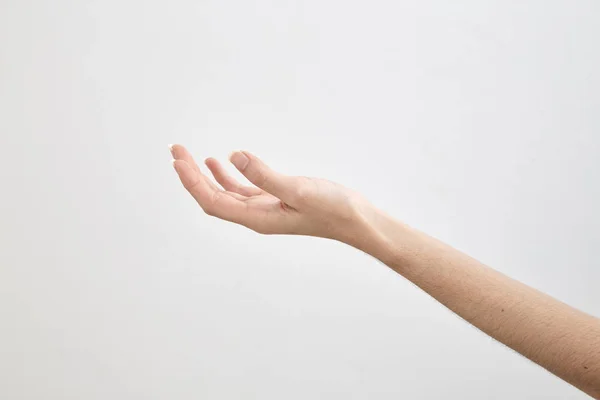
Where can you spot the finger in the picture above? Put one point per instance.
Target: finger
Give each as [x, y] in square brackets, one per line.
[262, 176]
[181, 153]
[227, 181]
[214, 202]
[236, 195]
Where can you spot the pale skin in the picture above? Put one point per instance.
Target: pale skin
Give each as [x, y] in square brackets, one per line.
[560, 338]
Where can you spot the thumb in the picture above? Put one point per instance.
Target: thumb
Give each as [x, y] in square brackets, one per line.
[257, 172]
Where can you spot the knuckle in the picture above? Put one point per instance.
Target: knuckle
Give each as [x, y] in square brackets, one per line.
[257, 174]
[193, 187]
[302, 192]
[214, 197]
[210, 208]
[261, 179]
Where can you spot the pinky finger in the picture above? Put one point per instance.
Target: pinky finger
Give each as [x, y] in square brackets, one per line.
[214, 202]
[195, 183]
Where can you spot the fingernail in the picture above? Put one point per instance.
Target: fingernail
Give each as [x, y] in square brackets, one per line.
[173, 164]
[171, 148]
[239, 159]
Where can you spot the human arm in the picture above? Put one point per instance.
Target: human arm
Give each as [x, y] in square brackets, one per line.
[556, 336]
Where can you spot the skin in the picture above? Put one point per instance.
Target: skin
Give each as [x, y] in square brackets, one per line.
[562, 339]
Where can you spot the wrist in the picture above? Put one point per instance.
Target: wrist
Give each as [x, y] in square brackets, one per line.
[372, 229]
[391, 241]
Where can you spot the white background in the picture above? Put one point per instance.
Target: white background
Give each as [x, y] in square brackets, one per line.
[475, 121]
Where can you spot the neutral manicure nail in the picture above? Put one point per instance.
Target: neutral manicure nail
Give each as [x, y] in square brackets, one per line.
[239, 159]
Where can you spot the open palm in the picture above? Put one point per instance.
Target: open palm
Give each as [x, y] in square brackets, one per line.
[277, 204]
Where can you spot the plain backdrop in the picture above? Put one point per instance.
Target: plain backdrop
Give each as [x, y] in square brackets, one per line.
[475, 121]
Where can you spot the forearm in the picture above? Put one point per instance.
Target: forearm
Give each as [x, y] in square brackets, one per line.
[556, 336]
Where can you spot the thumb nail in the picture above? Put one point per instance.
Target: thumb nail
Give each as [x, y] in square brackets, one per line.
[239, 159]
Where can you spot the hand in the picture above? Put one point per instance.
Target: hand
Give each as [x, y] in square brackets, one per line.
[278, 204]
